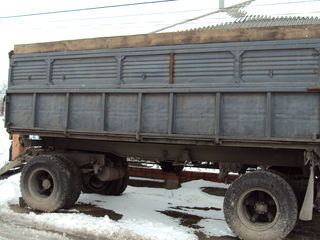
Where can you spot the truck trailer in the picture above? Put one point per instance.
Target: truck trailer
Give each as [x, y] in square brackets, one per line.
[244, 100]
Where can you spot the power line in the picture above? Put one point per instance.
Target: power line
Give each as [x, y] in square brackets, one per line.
[165, 22]
[86, 9]
[130, 15]
[141, 3]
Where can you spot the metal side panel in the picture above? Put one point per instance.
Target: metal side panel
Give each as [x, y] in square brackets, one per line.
[155, 113]
[50, 111]
[29, 72]
[284, 63]
[85, 112]
[280, 66]
[257, 91]
[84, 71]
[243, 114]
[194, 114]
[296, 115]
[258, 115]
[121, 113]
[20, 110]
[145, 69]
[204, 67]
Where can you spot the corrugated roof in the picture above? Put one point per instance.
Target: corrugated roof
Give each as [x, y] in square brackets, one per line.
[265, 21]
[237, 16]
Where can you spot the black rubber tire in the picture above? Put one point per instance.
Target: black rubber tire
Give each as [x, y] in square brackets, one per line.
[56, 174]
[284, 201]
[76, 182]
[167, 166]
[91, 184]
[122, 185]
[116, 187]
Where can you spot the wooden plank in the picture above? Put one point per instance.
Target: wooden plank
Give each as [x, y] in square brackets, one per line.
[176, 38]
[17, 148]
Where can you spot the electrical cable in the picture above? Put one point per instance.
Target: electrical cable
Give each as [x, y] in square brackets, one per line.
[191, 22]
[142, 3]
[86, 9]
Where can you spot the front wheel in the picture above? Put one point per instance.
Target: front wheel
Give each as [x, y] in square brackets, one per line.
[46, 183]
[260, 205]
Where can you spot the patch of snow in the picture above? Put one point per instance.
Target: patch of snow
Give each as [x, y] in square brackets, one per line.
[9, 191]
[4, 143]
[215, 227]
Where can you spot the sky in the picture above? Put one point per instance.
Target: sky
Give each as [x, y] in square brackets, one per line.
[144, 17]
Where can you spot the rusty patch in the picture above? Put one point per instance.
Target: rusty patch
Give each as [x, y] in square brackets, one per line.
[171, 68]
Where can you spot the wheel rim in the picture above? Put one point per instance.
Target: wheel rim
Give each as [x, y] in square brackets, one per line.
[41, 184]
[96, 184]
[258, 209]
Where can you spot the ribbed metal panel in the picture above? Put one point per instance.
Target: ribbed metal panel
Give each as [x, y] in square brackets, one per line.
[146, 69]
[29, 72]
[266, 21]
[280, 65]
[253, 21]
[212, 67]
[102, 70]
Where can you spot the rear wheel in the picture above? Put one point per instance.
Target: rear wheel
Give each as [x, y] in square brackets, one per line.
[260, 205]
[46, 183]
[92, 184]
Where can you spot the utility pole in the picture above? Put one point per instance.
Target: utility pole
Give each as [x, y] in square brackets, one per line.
[221, 4]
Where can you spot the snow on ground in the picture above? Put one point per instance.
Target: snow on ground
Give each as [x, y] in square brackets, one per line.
[143, 210]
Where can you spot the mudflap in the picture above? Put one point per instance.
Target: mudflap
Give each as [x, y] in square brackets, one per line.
[306, 212]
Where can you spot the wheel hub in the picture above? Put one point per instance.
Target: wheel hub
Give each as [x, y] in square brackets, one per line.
[258, 209]
[261, 207]
[46, 184]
